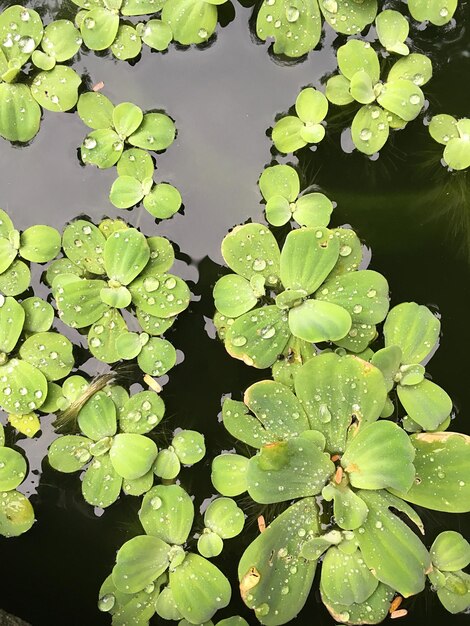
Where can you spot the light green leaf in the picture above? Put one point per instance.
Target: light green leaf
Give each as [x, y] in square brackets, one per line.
[348, 17]
[127, 44]
[286, 134]
[127, 118]
[61, 40]
[167, 512]
[402, 97]
[99, 28]
[103, 334]
[126, 253]
[337, 90]
[16, 514]
[79, 301]
[233, 295]
[279, 180]
[358, 55]
[162, 295]
[157, 132]
[318, 321]
[370, 129]
[362, 87]
[157, 357]
[97, 418]
[56, 90]
[12, 320]
[189, 446]
[229, 474]
[132, 455]
[163, 201]
[83, 244]
[392, 30]
[414, 329]
[136, 163]
[156, 34]
[139, 562]
[102, 148]
[24, 388]
[69, 453]
[12, 469]
[141, 413]
[40, 244]
[101, 485]
[50, 352]
[426, 403]
[416, 67]
[95, 110]
[191, 21]
[450, 551]
[39, 316]
[438, 12]
[345, 578]
[373, 611]
[20, 114]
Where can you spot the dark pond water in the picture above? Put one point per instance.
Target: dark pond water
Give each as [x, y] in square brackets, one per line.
[411, 212]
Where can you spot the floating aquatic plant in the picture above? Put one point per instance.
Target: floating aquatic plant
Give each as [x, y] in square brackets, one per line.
[102, 24]
[223, 519]
[296, 26]
[392, 30]
[293, 132]
[109, 268]
[279, 303]
[280, 187]
[386, 105]
[438, 12]
[22, 39]
[155, 573]
[455, 136]
[116, 128]
[16, 512]
[324, 439]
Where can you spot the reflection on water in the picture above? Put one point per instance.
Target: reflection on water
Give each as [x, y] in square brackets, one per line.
[411, 212]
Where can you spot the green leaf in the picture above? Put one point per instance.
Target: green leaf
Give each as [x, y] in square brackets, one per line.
[189, 446]
[139, 486]
[16, 514]
[97, 418]
[350, 511]
[450, 551]
[358, 55]
[136, 163]
[101, 485]
[141, 413]
[167, 512]
[69, 453]
[390, 547]
[307, 257]
[127, 118]
[95, 110]
[388, 361]
[191, 21]
[455, 596]
[19, 42]
[258, 337]
[165, 605]
[392, 30]
[99, 28]
[426, 403]
[162, 255]
[279, 180]
[139, 562]
[20, 114]
[337, 90]
[414, 329]
[345, 578]
[79, 301]
[103, 334]
[102, 148]
[286, 134]
[116, 297]
[294, 25]
[349, 18]
[157, 357]
[8, 253]
[163, 201]
[278, 211]
[402, 97]
[229, 474]
[39, 315]
[300, 469]
[190, 583]
[16, 279]
[162, 295]
[40, 244]
[379, 456]
[271, 569]
[23, 388]
[364, 295]
[442, 463]
[233, 295]
[157, 132]
[156, 34]
[132, 455]
[224, 517]
[167, 465]
[437, 12]
[127, 44]
[311, 106]
[457, 151]
[370, 129]
[318, 321]
[83, 243]
[126, 253]
[443, 127]
[372, 611]
[42, 60]
[57, 89]
[12, 320]
[362, 87]
[141, 7]
[415, 67]
[61, 40]
[50, 352]
[154, 325]
[12, 469]
[358, 393]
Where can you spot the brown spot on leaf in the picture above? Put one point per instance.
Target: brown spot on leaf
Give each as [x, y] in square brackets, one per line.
[249, 580]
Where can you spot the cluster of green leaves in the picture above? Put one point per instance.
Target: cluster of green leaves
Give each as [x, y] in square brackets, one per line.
[16, 512]
[157, 573]
[103, 24]
[113, 267]
[114, 447]
[281, 302]
[386, 105]
[24, 39]
[31, 355]
[322, 439]
[455, 136]
[122, 135]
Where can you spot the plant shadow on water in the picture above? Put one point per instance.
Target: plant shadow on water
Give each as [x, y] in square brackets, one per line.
[415, 217]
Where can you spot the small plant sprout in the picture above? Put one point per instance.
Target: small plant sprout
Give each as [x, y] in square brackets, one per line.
[450, 554]
[293, 132]
[155, 572]
[386, 105]
[223, 519]
[187, 448]
[392, 31]
[280, 187]
[455, 136]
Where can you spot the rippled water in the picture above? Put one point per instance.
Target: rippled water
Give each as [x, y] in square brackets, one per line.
[412, 213]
